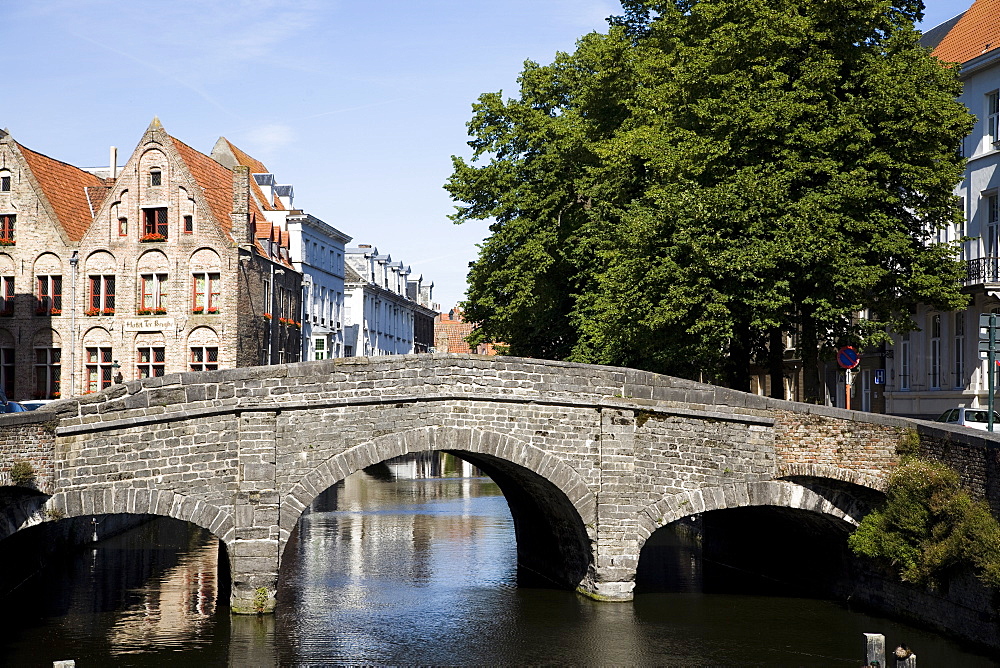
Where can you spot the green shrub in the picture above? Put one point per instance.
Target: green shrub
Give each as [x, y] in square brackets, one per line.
[929, 526]
[22, 473]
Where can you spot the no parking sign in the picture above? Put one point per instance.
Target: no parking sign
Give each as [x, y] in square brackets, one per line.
[848, 358]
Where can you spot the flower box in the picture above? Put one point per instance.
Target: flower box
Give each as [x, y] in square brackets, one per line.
[51, 311]
[198, 310]
[7, 242]
[7, 312]
[151, 311]
[154, 237]
[91, 312]
[267, 316]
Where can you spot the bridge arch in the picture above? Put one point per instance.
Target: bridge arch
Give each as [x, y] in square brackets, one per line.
[553, 508]
[835, 504]
[165, 503]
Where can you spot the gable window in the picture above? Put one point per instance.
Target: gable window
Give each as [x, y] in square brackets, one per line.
[5, 181]
[206, 295]
[7, 221]
[123, 227]
[99, 369]
[150, 362]
[49, 295]
[155, 177]
[188, 224]
[154, 224]
[993, 118]
[102, 295]
[153, 294]
[204, 358]
[47, 373]
[6, 295]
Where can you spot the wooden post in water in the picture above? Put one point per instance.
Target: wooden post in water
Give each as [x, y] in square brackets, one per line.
[875, 650]
[905, 658]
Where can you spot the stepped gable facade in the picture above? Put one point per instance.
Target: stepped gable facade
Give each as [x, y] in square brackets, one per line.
[157, 269]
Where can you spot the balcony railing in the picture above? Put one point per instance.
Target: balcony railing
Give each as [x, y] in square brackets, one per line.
[982, 270]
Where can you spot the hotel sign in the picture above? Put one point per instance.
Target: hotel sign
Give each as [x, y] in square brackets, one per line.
[151, 324]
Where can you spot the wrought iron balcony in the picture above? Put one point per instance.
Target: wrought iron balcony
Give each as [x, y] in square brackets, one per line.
[982, 270]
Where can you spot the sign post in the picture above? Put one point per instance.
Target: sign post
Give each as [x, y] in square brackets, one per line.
[848, 358]
[988, 344]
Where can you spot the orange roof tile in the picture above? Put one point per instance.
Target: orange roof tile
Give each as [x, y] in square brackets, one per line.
[217, 183]
[256, 167]
[65, 187]
[977, 32]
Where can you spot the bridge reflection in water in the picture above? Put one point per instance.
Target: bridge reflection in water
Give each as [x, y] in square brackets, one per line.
[396, 566]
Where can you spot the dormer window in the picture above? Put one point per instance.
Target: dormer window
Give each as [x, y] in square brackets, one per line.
[155, 177]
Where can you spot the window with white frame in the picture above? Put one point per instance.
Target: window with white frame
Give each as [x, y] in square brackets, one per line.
[204, 358]
[4, 181]
[152, 294]
[47, 373]
[48, 295]
[935, 361]
[993, 118]
[206, 295]
[6, 295]
[150, 361]
[7, 371]
[959, 349]
[99, 369]
[102, 295]
[904, 362]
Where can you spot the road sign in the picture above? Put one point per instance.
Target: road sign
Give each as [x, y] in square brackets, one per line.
[848, 358]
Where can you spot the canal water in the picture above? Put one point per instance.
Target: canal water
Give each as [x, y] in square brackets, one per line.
[412, 563]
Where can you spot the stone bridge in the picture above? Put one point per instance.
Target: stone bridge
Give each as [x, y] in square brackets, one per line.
[592, 460]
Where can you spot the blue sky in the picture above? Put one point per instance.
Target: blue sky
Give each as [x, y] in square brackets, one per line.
[359, 106]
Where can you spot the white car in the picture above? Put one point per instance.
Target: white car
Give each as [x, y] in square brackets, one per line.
[977, 418]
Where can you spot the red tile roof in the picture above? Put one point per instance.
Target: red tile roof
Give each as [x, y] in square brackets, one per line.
[256, 167]
[976, 33]
[65, 187]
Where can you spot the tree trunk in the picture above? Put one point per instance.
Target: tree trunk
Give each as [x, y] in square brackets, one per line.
[809, 347]
[740, 352]
[776, 362]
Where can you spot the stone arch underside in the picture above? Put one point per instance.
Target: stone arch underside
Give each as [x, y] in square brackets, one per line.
[835, 503]
[112, 500]
[553, 509]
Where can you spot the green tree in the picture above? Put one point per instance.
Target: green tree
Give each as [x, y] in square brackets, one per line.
[680, 193]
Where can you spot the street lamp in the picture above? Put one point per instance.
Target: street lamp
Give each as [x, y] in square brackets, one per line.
[115, 374]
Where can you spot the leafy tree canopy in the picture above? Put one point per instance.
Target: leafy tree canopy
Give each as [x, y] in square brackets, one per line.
[709, 175]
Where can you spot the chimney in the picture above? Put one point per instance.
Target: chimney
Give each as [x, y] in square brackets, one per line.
[240, 216]
[113, 159]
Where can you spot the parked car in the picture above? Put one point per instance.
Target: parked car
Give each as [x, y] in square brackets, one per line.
[32, 404]
[13, 407]
[977, 418]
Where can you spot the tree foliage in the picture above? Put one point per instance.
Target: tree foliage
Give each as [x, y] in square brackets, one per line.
[708, 175]
[930, 527]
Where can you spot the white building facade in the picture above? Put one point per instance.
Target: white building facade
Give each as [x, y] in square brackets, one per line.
[386, 312]
[938, 366]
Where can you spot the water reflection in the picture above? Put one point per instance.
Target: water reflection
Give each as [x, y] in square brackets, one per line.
[390, 567]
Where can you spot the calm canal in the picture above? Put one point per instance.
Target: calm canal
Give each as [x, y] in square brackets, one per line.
[392, 567]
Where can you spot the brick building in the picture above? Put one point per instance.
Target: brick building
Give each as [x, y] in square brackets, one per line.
[450, 332]
[168, 265]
